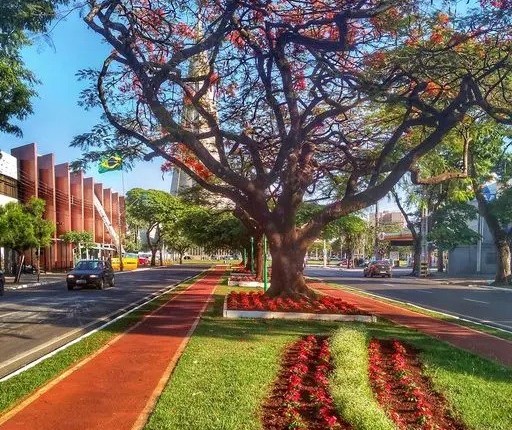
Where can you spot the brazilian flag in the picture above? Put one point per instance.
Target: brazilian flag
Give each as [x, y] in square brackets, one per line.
[111, 162]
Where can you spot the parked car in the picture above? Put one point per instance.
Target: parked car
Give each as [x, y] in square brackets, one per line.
[378, 268]
[142, 260]
[91, 273]
[2, 282]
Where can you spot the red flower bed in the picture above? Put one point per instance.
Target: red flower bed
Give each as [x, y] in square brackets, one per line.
[240, 270]
[403, 391]
[258, 301]
[300, 398]
[242, 277]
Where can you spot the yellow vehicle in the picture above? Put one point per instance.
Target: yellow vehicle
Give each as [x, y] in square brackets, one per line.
[130, 262]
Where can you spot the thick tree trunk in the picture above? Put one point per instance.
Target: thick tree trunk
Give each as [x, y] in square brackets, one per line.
[287, 268]
[19, 267]
[417, 256]
[440, 260]
[503, 275]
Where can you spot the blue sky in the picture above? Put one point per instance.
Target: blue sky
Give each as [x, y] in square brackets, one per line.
[57, 118]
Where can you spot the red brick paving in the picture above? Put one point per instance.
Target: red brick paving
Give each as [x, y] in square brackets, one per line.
[114, 388]
[482, 344]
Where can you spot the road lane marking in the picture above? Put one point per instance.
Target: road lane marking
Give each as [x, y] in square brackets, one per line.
[476, 301]
[124, 311]
[424, 291]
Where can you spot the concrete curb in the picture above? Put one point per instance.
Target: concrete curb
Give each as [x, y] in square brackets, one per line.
[230, 313]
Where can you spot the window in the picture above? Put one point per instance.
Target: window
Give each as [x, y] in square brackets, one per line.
[8, 186]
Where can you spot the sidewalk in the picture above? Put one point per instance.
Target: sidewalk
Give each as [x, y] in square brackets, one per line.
[28, 280]
[469, 280]
[479, 343]
[439, 277]
[117, 387]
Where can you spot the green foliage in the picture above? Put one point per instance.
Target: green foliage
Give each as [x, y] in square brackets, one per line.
[450, 226]
[150, 210]
[22, 226]
[151, 206]
[43, 229]
[350, 230]
[79, 239]
[18, 18]
[501, 207]
[176, 238]
[213, 229]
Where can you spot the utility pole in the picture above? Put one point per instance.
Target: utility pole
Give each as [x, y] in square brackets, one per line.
[325, 253]
[479, 245]
[121, 265]
[424, 233]
[376, 239]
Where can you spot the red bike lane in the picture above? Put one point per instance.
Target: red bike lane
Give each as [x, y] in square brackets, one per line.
[116, 388]
[477, 342]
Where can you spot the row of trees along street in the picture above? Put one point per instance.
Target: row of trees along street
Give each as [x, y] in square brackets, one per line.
[332, 100]
[327, 101]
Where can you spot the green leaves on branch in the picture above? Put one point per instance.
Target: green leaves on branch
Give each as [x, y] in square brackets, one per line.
[22, 226]
[450, 226]
[82, 239]
[19, 18]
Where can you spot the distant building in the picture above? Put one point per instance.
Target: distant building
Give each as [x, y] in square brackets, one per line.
[479, 258]
[392, 218]
[73, 202]
[191, 120]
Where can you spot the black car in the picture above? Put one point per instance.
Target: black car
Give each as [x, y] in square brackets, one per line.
[91, 273]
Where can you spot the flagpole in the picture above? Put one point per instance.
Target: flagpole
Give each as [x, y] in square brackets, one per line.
[121, 265]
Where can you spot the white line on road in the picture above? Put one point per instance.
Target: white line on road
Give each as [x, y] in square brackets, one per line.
[476, 301]
[424, 291]
[126, 310]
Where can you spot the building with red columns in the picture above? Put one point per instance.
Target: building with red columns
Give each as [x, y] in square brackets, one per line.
[73, 202]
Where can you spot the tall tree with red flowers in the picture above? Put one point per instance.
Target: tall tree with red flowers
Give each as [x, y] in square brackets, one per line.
[288, 98]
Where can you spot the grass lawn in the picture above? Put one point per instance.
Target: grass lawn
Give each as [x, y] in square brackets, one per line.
[229, 365]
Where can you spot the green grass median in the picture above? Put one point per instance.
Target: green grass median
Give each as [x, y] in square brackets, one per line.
[229, 366]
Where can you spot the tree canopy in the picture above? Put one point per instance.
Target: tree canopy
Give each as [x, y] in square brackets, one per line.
[22, 226]
[267, 102]
[150, 210]
[18, 20]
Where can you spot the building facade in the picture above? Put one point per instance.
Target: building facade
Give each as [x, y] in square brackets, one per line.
[479, 258]
[73, 202]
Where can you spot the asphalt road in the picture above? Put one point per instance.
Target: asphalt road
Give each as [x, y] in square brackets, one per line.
[482, 304]
[35, 321]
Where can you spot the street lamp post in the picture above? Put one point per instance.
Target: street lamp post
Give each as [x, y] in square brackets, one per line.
[265, 264]
[376, 238]
[252, 254]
